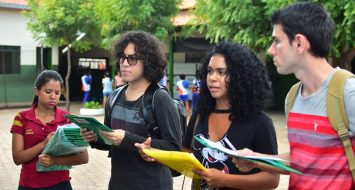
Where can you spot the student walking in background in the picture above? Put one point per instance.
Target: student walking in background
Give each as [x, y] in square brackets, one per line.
[303, 34]
[164, 81]
[196, 85]
[142, 61]
[118, 80]
[86, 86]
[107, 87]
[182, 87]
[31, 131]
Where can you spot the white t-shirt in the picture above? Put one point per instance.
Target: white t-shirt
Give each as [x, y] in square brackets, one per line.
[183, 87]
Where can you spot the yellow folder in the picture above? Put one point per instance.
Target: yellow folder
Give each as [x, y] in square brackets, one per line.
[182, 162]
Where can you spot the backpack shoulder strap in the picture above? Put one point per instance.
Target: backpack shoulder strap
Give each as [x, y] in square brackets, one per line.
[194, 130]
[291, 96]
[115, 94]
[110, 102]
[148, 109]
[107, 119]
[337, 114]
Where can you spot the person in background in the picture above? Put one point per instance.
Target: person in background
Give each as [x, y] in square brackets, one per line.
[302, 37]
[33, 128]
[118, 80]
[182, 87]
[196, 84]
[86, 86]
[107, 87]
[141, 60]
[164, 81]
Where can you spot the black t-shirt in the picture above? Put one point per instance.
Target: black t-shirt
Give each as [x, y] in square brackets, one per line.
[129, 170]
[256, 133]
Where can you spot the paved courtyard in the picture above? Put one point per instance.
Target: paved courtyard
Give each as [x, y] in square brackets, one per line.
[95, 175]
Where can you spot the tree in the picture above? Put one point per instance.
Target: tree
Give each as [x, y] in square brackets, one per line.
[101, 20]
[60, 21]
[343, 13]
[249, 22]
[154, 16]
[244, 21]
[119, 16]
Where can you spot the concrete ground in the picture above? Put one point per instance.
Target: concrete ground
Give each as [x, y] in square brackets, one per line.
[95, 175]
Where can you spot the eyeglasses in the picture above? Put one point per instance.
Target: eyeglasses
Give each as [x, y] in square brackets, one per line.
[131, 59]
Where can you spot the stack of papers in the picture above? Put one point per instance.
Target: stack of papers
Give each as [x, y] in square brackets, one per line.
[272, 161]
[182, 162]
[72, 134]
[90, 124]
[65, 141]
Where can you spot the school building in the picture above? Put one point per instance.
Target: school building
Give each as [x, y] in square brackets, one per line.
[21, 57]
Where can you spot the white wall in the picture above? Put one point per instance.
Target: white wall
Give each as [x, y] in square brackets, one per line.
[13, 32]
[185, 68]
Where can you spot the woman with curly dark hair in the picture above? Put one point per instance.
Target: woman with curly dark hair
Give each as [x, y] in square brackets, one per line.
[235, 89]
[142, 62]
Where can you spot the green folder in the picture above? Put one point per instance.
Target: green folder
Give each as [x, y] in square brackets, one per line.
[91, 124]
[66, 141]
[272, 161]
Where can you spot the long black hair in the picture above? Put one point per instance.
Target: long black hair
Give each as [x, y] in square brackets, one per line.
[249, 87]
[43, 78]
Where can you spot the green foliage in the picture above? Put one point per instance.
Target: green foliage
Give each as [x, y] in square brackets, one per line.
[119, 16]
[92, 105]
[244, 21]
[57, 22]
[249, 21]
[61, 20]
[343, 13]
[102, 20]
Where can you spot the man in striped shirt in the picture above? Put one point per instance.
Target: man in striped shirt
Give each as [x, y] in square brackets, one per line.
[302, 36]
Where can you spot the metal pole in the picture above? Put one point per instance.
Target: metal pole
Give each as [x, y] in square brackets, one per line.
[42, 66]
[42, 37]
[171, 64]
[4, 73]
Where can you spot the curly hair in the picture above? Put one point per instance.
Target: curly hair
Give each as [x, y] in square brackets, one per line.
[249, 87]
[146, 46]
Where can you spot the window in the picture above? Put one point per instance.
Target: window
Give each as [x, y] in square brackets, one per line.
[92, 63]
[10, 59]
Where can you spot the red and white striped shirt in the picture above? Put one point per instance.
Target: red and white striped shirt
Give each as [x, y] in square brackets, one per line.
[317, 152]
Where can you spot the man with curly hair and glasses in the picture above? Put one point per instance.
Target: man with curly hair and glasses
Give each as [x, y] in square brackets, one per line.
[142, 62]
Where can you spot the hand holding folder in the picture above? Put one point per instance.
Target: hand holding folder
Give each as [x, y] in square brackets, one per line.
[66, 141]
[90, 124]
[182, 162]
[272, 161]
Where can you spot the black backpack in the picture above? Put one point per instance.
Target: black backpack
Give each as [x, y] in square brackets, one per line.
[148, 112]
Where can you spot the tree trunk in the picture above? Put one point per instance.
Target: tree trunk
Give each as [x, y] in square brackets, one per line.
[344, 61]
[171, 65]
[67, 99]
[262, 57]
